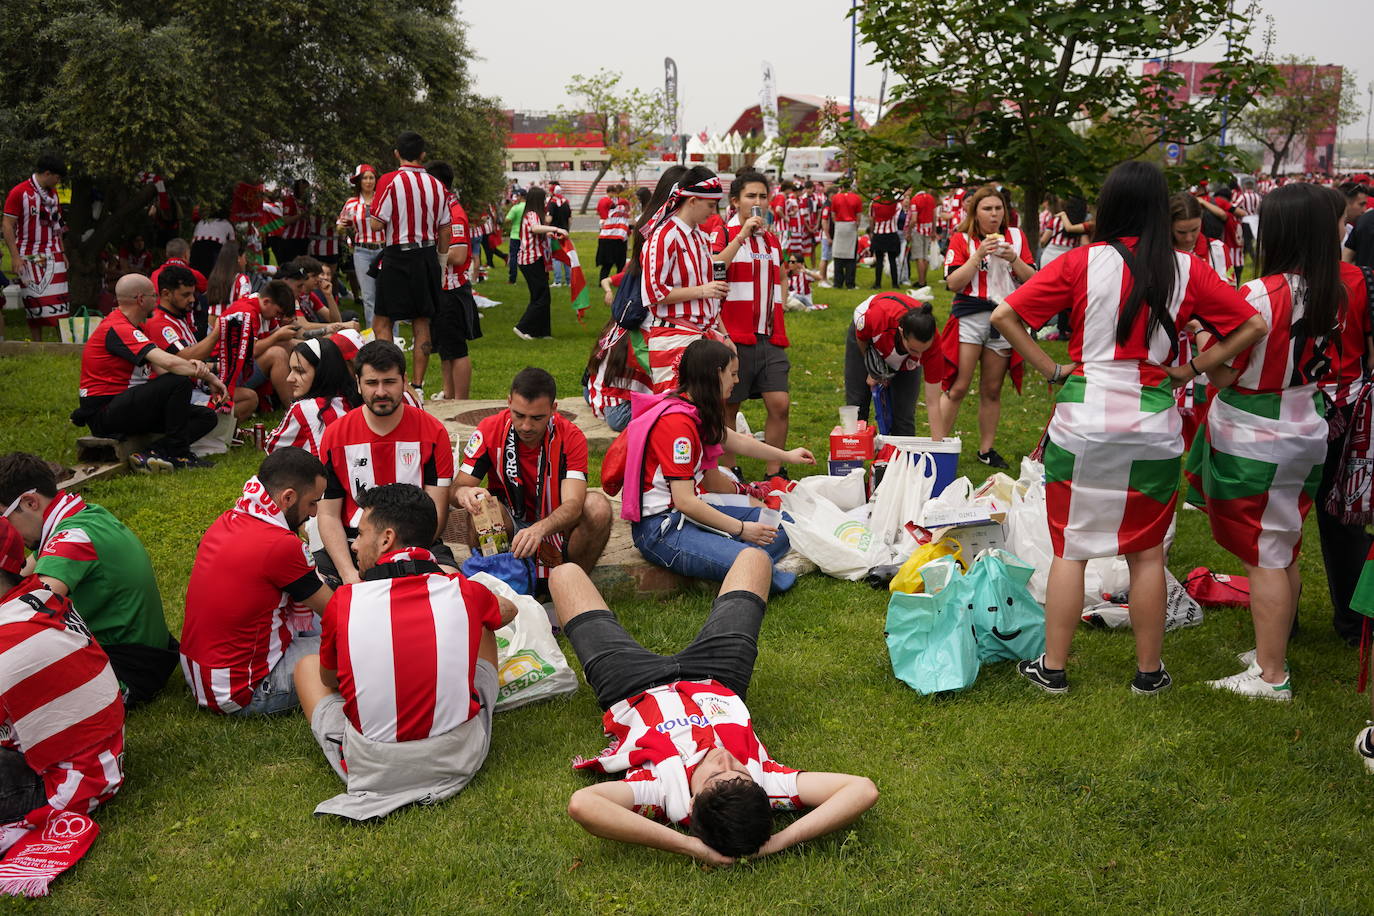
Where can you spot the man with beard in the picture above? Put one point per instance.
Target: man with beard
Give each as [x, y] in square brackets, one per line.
[384, 441]
[254, 593]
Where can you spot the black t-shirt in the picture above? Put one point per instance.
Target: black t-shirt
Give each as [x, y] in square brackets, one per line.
[560, 215]
[1361, 240]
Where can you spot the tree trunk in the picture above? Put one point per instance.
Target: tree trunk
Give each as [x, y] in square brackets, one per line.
[1030, 215]
[605, 167]
[117, 215]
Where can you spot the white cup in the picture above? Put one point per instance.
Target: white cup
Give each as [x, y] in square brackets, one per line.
[849, 419]
[770, 518]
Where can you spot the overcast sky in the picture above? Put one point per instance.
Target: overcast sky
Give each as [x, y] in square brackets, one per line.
[529, 48]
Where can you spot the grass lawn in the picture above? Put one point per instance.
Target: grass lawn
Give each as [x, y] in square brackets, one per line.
[994, 800]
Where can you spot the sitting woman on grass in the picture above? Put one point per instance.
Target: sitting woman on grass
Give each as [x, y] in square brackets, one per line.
[324, 390]
[673, 445]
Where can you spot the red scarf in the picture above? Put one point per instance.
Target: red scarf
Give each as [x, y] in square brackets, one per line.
[63, 507]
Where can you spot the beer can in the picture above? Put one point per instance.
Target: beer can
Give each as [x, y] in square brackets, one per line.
[260, 436]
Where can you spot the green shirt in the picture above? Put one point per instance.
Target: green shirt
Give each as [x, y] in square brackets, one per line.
[109, 578]
[513, 217]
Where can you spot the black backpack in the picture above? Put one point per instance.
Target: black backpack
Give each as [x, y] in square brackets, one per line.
[1213, 226]
[628, 309]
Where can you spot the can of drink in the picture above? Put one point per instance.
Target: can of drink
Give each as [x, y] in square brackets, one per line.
[260, 436]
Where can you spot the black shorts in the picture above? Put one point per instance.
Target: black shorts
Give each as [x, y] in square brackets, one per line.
[450, 326]
[611, 252]
[409, 283]
[617, 667]
[142, 671]
[763, 366]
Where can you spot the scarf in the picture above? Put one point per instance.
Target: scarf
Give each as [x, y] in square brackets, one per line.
[402, 554]
[256, 502]
[237, 334]
[506, 468]
[59, 510]
[709, 189]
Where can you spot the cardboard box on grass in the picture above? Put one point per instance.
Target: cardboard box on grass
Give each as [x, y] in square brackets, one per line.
[975, 529]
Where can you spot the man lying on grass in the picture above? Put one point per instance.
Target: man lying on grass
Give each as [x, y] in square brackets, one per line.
[680, 728]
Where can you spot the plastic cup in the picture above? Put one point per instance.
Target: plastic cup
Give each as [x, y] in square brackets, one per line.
[770, 518]
[849, 419]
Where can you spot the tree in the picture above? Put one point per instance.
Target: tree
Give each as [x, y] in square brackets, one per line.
[1306, 100]
[628, 122]
[210, 92]
[1045, 96]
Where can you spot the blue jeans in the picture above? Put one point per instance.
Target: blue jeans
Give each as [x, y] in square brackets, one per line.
[561, 272]
[670, 541]
[513, 268]
[276, 693]
[367, 286]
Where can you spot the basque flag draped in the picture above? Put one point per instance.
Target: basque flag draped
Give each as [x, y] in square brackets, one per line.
[577, 285]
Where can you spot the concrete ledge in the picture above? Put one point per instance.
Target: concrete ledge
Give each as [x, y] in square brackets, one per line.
[24, 347]
[460, 418]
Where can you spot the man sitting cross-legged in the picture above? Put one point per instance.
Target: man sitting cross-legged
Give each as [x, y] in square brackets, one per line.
[401, 695]
[536, 463]
[253, 593]
[680, 728]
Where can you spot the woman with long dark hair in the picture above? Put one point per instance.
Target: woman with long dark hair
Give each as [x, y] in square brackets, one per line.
[1115, 441]
[892, 342]
[537, 322]
[227, 283]
[986, 260]
[1257, 467]
[614, 373]
[673, 448]
[324, 390]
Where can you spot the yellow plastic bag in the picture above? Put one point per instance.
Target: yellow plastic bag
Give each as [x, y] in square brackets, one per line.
[908, 578]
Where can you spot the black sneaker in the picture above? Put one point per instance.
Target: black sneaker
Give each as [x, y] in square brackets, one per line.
[992, 459]
[151, 463]
[1049, 680]
[183, 462]
[1151, 683]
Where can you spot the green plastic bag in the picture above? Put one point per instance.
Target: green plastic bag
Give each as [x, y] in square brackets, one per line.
[1007, 620]
[930, 638]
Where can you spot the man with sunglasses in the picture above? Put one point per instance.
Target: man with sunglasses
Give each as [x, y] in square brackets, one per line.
[84, 553]
[118, 395]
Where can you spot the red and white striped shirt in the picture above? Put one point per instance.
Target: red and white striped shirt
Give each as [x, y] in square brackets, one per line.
[1283, 360]
[922, 214]
[413, 206]
[250, 572]
[883, 215]
[952, 206]
[460, 234]
[616, 226]
[213, 230]
[300, 229]
[753, 308]
[534, 247]
[418, 451]
[799, 282]
[604, 393]
[323, 239]
[356, 211]
[60, 705]
[405, 650]
[994, 279]
[38, 218]
[660, 736]
[677, 256]
[305, 423]
[1249, 201]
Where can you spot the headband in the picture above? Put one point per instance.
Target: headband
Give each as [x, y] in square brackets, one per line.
[707, 189]
[313, 346]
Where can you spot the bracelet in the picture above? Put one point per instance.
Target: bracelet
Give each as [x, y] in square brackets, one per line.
[741, 528]
[1192, 365]
[1055, 377]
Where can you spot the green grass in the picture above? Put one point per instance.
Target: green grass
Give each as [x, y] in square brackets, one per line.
[994, 800]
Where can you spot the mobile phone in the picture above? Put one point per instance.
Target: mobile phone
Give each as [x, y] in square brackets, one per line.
[718, 270]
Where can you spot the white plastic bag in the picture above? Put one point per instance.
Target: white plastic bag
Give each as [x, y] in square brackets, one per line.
[1028, 534]
[826, 535]
[1180, 609]
[900, 498]
[845, 492]
[530, 666]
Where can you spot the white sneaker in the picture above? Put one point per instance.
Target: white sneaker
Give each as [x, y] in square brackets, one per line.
[1250, 684]
[1362, 741]
[521, 334]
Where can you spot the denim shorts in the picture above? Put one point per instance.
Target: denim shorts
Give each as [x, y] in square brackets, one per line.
[617, 667]
[276, 693]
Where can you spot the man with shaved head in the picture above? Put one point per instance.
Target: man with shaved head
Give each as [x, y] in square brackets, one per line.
[130, 386]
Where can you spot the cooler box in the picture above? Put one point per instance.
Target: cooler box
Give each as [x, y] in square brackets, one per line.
[945, 453]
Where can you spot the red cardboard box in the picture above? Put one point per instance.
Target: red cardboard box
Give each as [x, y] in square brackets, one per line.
[852, 446]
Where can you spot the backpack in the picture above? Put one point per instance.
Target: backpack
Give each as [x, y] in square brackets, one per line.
[628, 309]
[613, 464]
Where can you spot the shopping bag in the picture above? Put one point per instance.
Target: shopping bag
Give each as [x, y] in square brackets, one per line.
[529, 664]
[818, 530]
[1008, 623]
[1028, 532]
[847, 492]
[908, 578]
[930, 640]
[505, 566]
[1180, 609]
[899, 499]
[1213, 589]
[78, 327]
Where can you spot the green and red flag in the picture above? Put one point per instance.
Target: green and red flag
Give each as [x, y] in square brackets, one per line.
[577, 283]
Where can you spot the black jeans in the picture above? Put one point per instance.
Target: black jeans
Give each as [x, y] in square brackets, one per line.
[1344, 547]
[537, 320]
[902, 392]
[160, 405]
[878, 267]
[844, 272]
[21, 789]
[617, 667]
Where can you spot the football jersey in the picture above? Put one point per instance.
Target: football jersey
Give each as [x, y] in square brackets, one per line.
[417, 451]
[113, 360]
[674, 452]
[410, 203]
[459, 234]
[405, 649]
[249, 574]
[483, 454]
[305, 423]
[38, 218]
[170, 332]
[994, 279]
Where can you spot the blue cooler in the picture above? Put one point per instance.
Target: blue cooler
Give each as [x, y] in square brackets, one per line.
[945, 452]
